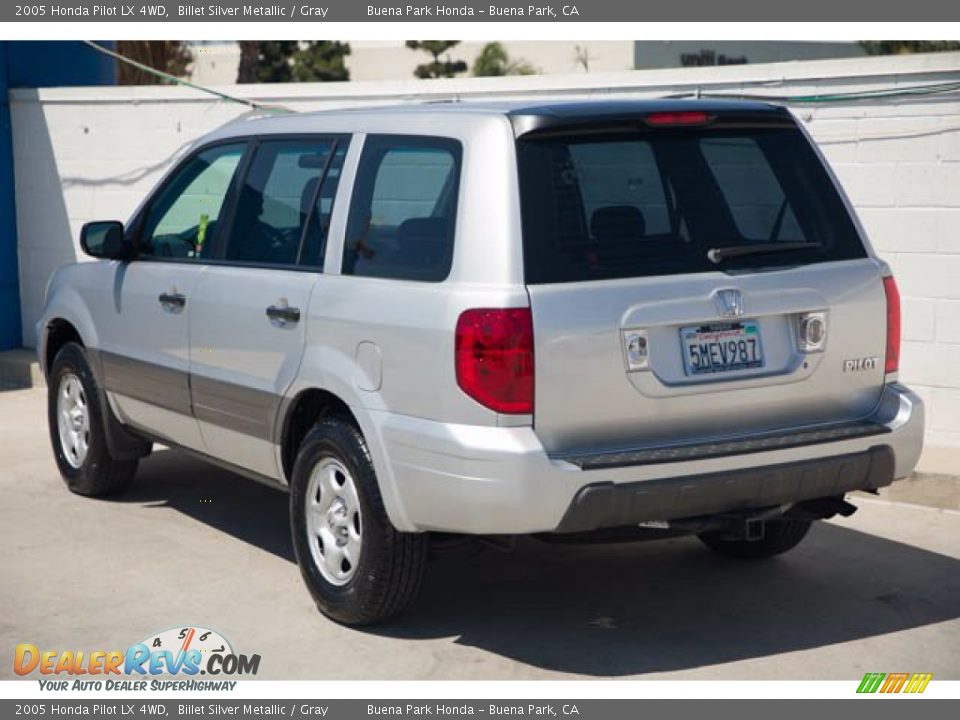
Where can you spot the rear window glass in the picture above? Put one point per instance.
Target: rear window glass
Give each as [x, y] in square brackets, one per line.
[616, 205]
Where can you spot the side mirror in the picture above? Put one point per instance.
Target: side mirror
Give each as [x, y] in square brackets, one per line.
[104, 239]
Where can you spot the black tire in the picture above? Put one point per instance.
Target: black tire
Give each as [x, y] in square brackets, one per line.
[780, 535]
[391, 564]
[100, 474]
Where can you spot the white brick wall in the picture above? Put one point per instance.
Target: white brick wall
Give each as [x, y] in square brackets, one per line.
[93, 153]
[900, 164]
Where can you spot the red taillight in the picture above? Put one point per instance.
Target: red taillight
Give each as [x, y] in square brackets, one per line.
[691, 117]
[893, 325]
[494, 358]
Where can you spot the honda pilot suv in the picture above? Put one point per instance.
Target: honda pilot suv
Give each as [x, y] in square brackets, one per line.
[581, 321]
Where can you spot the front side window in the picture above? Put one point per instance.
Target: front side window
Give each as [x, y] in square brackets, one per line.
[404, 209]
[285, 203]
[182, 219]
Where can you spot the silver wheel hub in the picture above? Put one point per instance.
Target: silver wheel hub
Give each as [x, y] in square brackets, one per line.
[73, 420]
[333, 521]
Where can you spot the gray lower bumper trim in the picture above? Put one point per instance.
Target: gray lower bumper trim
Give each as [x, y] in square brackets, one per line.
[607, 505]
[743, 446]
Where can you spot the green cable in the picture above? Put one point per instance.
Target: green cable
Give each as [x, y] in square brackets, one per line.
[179, 81]
[912, 91]
[937, 89]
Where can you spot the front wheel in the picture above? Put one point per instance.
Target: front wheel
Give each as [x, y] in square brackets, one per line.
[75, 418]
[357, 567]
[779, 535]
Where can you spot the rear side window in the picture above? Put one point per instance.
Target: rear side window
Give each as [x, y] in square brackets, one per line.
[605, 205]
[404, 209]
[282, 217]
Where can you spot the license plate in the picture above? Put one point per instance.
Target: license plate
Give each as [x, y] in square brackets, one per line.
[721, 347]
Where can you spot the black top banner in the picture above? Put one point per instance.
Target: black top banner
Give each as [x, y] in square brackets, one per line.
[473, 11]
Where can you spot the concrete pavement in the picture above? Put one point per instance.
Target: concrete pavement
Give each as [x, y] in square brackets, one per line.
[192, 544]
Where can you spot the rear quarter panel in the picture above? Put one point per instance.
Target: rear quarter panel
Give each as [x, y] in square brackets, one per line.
[387, 346]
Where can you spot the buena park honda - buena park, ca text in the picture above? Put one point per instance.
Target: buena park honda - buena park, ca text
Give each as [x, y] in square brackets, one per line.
[292, 11]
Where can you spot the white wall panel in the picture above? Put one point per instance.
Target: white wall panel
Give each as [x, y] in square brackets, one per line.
[93, 153]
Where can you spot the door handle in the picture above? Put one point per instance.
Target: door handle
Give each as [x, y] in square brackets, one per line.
[283, 314]
[172, 300]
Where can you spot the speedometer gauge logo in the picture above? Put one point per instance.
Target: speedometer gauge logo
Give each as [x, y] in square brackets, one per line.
[185, 639]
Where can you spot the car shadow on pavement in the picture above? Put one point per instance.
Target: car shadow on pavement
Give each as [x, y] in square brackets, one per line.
[619, 609]
[630, 609]
[246, 509]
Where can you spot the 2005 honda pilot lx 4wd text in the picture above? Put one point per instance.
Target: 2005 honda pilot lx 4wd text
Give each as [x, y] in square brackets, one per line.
[585, 320]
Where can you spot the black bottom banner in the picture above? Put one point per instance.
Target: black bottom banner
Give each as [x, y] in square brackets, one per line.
[575, 709]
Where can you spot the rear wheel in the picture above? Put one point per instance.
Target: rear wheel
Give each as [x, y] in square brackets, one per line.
[779, 535]
[75, 418]
[358, 568]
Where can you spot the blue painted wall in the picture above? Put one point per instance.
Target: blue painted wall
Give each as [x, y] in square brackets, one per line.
[32, 64]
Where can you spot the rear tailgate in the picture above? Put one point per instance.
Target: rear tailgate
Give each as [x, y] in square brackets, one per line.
[641, 339]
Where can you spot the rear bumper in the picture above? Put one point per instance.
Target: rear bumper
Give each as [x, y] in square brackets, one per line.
[606, 505]
[500, 480]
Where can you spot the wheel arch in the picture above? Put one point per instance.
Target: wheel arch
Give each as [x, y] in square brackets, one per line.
[66, 318]
[299, 414]
[59, 332]
[300, 411]
[61, 329]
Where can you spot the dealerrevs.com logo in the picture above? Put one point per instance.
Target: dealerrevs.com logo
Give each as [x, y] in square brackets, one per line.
[182, 651]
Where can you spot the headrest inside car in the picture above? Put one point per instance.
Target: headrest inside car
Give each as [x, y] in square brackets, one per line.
[617, 222]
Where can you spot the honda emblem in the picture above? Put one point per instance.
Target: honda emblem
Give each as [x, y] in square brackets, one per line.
[729, 302]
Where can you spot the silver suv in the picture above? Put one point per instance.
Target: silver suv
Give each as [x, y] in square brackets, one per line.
[598, 320]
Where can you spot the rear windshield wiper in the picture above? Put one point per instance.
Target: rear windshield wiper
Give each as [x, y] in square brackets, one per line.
[718, 255]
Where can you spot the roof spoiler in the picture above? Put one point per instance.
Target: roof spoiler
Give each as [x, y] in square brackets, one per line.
[530, 122]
